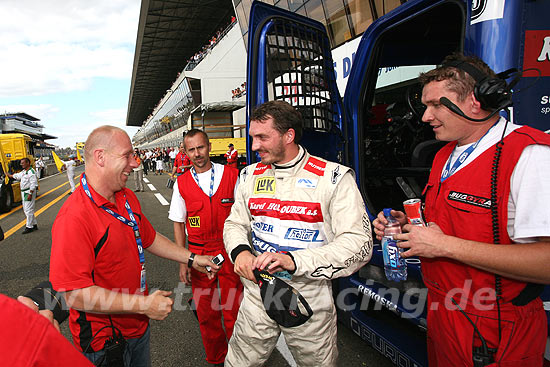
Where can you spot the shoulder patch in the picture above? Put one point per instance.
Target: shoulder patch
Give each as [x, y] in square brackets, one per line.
[315, 166]
[244, 173]
[335, 174]
[261, 168]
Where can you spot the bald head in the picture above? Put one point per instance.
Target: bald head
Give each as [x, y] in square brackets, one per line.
[100, 138]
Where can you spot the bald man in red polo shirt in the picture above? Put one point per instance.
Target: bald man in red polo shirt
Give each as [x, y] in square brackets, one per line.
[97, 256]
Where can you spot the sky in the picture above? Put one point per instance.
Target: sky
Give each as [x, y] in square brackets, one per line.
[68, 63]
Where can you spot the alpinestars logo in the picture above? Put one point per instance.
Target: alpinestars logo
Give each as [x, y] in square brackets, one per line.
[470, 199]
[325, 271]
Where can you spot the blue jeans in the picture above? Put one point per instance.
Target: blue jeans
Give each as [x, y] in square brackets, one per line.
[136, 352]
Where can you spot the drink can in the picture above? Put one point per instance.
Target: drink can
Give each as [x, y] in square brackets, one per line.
[413, 209]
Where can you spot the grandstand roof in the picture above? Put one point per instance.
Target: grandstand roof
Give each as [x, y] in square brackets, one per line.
[169, 33]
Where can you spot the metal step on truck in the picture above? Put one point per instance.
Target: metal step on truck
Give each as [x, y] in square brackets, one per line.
[374, 128]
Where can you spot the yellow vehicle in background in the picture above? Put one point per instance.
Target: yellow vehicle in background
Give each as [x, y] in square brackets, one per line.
[220, 147]
[13, 147]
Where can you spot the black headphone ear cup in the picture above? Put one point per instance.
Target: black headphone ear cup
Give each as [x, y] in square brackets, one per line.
[492, 93]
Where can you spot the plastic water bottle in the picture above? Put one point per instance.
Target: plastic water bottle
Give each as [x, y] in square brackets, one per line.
[394, 265]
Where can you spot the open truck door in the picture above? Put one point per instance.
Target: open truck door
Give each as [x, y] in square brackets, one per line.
[289, 59]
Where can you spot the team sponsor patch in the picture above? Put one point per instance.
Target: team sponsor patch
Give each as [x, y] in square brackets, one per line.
[265, 185]
[228, 200]
[325, 271]
[261, 168]
[469, 199]
[315, 166]
[263, 246]
[306, 183]
[263, 227]
[286, 210]
[302, 234]
[194, 222]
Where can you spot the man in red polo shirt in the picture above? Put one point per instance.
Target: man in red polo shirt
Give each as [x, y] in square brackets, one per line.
[181, 163]
[202, 199]
[97, 257]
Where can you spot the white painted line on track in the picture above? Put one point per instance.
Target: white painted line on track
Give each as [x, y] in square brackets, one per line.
[285, 352]
[145, 180]
[151, 187]
[161, 199]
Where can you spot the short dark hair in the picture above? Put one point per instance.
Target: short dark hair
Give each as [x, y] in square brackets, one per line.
[284, 116]
[26, 159]
[458, 80]
[194, 132]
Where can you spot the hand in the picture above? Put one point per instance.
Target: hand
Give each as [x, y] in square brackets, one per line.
[427, 242]
[185, 274]
[159, 305]
[28, 302]
[46, 313]
[380, 222]
[274, 262]
[200, 263]
[244, 264]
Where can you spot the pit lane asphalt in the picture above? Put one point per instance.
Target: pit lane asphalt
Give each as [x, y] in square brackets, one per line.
[175, 341]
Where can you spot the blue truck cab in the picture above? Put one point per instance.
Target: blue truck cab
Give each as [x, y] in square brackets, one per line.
[375, 130]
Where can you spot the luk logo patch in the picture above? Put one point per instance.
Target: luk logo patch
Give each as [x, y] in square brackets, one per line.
[306, 183]
[265, 185]
[194, 222]
[469, 199]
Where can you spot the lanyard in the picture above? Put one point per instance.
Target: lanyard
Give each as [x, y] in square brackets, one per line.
[449, 171]
[196, 177]
[131, 223]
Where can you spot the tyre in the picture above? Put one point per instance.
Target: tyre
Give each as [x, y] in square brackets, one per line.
[6, 199]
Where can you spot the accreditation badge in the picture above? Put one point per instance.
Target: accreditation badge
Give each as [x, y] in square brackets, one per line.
[143, 279]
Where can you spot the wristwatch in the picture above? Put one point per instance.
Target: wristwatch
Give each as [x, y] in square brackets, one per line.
[191, 259]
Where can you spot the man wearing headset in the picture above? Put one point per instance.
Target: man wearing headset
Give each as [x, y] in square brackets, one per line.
[472, 277]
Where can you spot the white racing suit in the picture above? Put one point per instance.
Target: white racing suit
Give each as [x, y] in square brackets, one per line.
[312, 209]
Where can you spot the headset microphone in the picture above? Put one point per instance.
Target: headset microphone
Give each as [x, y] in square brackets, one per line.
[493, 93]
[454, 108]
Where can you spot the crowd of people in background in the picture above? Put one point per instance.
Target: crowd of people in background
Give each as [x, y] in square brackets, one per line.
[157, 160]
[195, 59]
[239, 91]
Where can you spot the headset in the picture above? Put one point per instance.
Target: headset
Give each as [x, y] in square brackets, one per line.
[492, 93]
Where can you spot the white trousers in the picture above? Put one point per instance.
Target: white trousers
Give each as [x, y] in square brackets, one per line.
[255, 334]
[28, 209]
[70, 176]
[138, 179]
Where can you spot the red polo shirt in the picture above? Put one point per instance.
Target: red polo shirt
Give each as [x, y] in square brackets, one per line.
[91, 247]
[181, 160]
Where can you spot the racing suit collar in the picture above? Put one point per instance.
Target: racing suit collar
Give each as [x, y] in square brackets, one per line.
[291, 166]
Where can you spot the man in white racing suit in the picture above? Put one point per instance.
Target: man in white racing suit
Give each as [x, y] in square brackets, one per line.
[308, 224]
